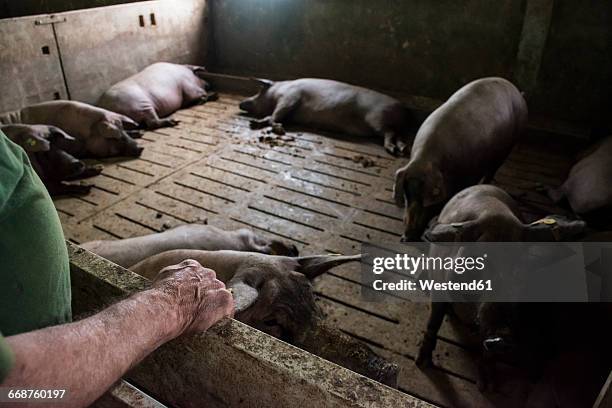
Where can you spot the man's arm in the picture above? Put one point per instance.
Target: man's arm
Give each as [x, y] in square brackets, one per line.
[85, 358]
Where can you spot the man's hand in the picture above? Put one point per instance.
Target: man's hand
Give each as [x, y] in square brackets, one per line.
[200, 298]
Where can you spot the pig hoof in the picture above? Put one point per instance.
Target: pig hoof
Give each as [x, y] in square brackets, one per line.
[278, 129]
[213, 96]
[257, 124]
[393, 150]
[91, 171]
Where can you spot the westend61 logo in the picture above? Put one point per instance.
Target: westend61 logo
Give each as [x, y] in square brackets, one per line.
[487, 271]
[413, 264]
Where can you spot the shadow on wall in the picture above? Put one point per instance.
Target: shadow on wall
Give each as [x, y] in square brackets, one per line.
[11, 8]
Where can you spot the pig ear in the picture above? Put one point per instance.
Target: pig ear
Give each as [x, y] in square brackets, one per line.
[199, 71]
[105, 130]
[244, 295]
[32, 143]
[313, 266]
[265, 83]
[55, 131]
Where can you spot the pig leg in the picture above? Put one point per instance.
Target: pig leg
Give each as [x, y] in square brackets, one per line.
[152, 121]
[284, 107]
[436, 317]
[89, 171]
[390, 143]
[197, 96]
[486, 374]
[58, 189]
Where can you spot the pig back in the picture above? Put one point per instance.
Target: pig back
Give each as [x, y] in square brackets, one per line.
[474, 131]
[588, 186]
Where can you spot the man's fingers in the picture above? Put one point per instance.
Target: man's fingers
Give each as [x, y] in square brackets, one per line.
[190, 262]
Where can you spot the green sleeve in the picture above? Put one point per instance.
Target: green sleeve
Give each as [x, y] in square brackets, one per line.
[6, 359]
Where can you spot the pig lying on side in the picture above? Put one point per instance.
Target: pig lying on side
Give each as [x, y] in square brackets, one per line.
[463, 141]
[52, 164]
[588, 187]
[485, 213]
[274, 295]
[98, 132]
[127, 252]
[157, 92]
[330, 105]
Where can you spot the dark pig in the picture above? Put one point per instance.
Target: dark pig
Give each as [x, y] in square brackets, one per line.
[127, 252]
[156, 92]
[460, 144]
[98, 132]
[330, 105]
[52, 164]
[588, 188]
[485, 213]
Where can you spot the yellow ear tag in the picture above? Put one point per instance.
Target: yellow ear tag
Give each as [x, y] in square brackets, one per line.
[31, 142]
[547, 221]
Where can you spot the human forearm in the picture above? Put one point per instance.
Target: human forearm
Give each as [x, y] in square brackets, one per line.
[86, 357]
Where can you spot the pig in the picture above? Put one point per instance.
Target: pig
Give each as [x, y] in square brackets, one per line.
[98, 132]
[271, 293]
[486, 213]
[156, 92]
[587, 188]
[53, 165]
[330, 105]
[461, 143]
[127, 252]
[274, 294]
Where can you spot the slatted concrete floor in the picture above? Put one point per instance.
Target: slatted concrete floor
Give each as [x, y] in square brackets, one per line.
[312, 190]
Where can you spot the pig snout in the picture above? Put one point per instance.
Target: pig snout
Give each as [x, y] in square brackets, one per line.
[131, 148]
[246, 105]
[415, 222]
[499, 346]
[76, 168]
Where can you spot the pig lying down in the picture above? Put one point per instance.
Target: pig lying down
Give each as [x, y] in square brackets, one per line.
[156, 92]
[271, 293]
[330, 105]
[485, 213]
[52, 164]
[588, 187]
[461, 143]
[99, 133]
[274, 295]
[127, 252]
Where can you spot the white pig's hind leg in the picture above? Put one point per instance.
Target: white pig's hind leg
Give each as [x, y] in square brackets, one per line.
[152, 121]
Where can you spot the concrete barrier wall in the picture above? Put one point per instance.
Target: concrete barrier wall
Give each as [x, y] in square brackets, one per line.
[229, 365]
[79, 54]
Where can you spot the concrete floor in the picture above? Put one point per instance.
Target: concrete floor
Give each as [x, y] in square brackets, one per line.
[315, 191]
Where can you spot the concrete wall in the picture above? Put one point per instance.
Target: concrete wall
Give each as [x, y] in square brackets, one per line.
[556, 50]
[232, 364]
[79, 54]
[13, 8]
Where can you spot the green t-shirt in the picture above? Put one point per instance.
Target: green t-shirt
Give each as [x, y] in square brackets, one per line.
[34, 273]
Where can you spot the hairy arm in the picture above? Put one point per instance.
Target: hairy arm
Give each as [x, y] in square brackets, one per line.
[86, 357]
